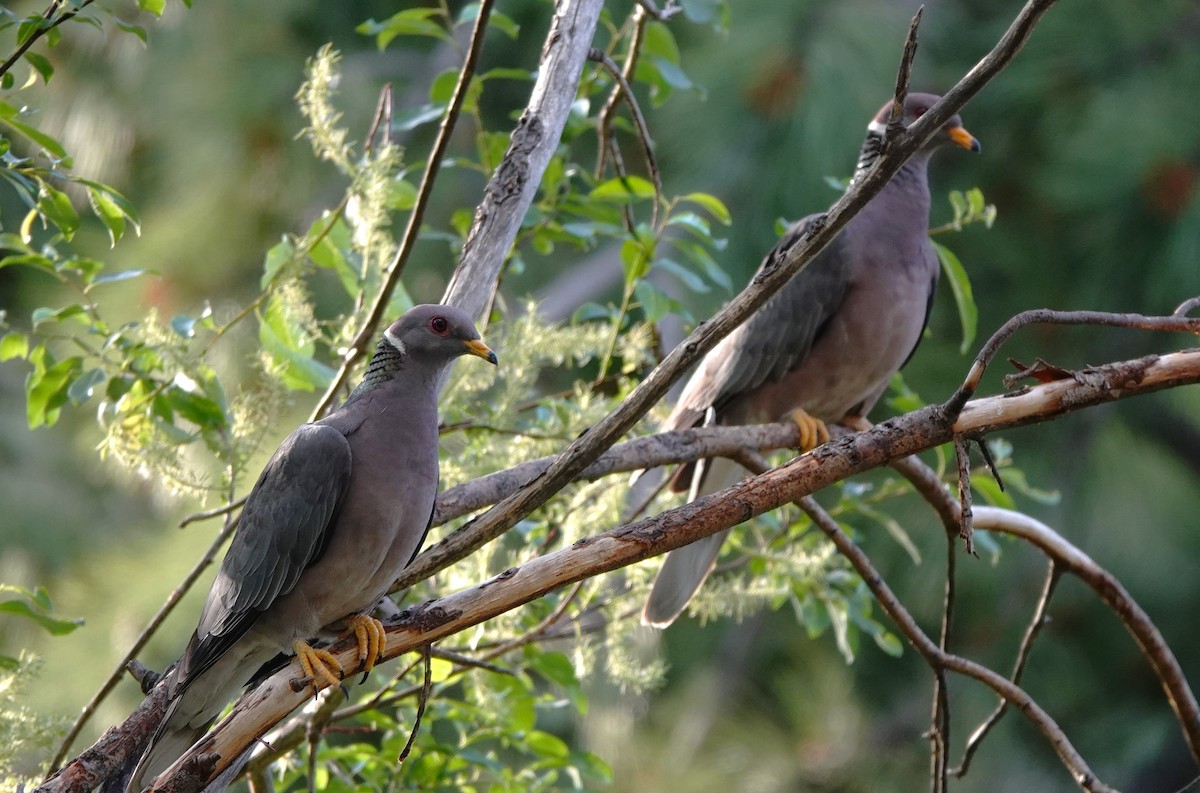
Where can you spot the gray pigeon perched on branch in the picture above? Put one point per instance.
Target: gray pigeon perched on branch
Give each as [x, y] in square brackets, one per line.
[339, 510]
[825, 346]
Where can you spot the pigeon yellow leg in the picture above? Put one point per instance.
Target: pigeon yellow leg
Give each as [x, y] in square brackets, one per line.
[813, 431]
[371, 639]
[318, 664]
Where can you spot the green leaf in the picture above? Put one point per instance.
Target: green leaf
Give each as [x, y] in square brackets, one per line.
[129, 27]
[15, 344]
[327, 247]
[47, 142]
[893, 528]
[42, 64]
[987, 487]
[547, 745]
[112, 278]
[960, 285]
[56, 207]
[286, 342]
[623, 190]
[46, 389]
[410, 22]
[43, 314]
[109, 213]
[82, 388]
[196, 407]
[411, 118]
[402, 195]
[635, 260]
[690, 279]
[155, 7]
[958, 202]
[280, 254]
[55, 626]
[1015, 478]
[712, 205]
[655, 303]
[556, 667]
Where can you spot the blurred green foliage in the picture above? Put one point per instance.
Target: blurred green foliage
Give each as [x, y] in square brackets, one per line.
[253, 256]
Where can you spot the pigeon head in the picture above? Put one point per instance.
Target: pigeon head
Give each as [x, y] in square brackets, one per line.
[915, 106]
[437, 334]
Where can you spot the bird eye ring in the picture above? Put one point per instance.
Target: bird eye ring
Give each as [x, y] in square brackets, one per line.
[439, 325]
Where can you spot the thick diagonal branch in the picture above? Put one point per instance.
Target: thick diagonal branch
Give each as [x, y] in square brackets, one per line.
[882, 444]
[775, 272]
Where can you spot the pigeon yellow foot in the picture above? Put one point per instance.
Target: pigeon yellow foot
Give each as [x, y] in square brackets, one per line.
[813, 432]
[319, 665]
[372, 640]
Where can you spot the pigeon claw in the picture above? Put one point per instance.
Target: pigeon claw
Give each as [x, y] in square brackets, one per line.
[319, 665]
[372, 639]
[813, 431]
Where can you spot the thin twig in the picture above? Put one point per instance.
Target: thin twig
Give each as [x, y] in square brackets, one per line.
[939, 726]
[383, 116]
[1036, 623]
[224, 509]
[962, 457]
[939, 659]
[1069, 558]
[1175, 323]
[42, 30]
[668, 10]
[391, 276]
[163, 612]
[639, 18]
[776, 271]
[425, 688]
[923, 429]
[1186, 307]
[895, 125]
[639, 121]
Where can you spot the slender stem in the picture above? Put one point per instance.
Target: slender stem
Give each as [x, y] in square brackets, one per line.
[391, 276]
[42, 30]
[163, 612]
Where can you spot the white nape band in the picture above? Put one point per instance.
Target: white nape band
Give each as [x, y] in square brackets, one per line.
[878, 127]
[394, 340]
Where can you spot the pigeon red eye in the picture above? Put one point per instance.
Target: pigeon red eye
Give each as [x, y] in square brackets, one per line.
[439, 325]
[919, 111]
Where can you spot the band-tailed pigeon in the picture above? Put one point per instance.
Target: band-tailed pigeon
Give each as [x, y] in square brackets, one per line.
[824, 346]
[339, 510]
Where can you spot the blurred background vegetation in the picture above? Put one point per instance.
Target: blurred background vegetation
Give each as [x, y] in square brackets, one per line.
[1091, 145]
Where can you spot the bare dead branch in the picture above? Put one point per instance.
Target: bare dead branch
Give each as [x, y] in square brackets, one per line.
[1155, 649]
[834, 461]
[638, 19]
[391, 276]
[1069, 558]
[1036, 623]
[903, 75]
[940, 659]
[511, 189]
[1177, 322]
[642, 453]
[962, 457]
[1186, 307]
[939, 720]
[776, 271]
[639, 121]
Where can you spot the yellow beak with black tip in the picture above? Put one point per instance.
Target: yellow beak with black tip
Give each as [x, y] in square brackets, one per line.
[477, 347]
[963, 138]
